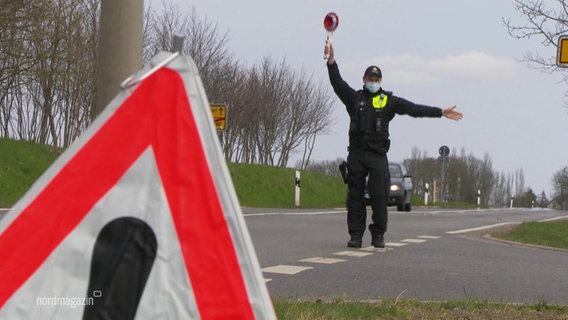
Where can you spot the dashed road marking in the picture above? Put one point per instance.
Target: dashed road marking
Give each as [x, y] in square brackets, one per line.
[285, 269]
[414, 240]
[322, 260]
[396, 244]
[429, 237]
[357, 254]
[373, 249]
[362, 252]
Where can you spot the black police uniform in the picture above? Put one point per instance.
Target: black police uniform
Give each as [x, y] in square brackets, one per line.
[370, 114]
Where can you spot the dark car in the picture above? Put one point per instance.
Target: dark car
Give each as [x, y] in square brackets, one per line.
[400, 193]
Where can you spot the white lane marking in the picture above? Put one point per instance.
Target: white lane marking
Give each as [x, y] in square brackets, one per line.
[357, 254]
[481, 228]
[553, 219]
[305, 213]
[413, 240]
[285, 269]
[266, 280]
[373, 249]
[322, 260]
[429, 237]
[396, 244]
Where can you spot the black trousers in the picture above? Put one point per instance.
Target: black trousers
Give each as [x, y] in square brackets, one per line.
[360, 164]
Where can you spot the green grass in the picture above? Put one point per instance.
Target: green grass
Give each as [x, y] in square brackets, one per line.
[550, 234]
[265, 186]
[338, 309]
[341, 309]
[21, 163]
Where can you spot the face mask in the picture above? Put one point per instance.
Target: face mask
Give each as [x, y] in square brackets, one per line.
[373, 87]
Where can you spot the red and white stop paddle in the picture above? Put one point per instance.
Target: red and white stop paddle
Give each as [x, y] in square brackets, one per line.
[330, 23]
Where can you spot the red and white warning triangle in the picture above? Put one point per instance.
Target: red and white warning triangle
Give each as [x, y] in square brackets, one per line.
[138, 219]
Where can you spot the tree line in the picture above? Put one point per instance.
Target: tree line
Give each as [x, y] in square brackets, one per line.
[48, 93]
[461, 177]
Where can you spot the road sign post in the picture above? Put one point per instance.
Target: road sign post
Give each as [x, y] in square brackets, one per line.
[444, 152]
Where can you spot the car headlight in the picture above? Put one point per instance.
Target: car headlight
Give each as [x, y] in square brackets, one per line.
[395, 187]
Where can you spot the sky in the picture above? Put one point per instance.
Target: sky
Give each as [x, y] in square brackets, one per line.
[438, 53]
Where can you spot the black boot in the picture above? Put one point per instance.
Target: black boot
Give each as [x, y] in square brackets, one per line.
[355, 242]
[377, 240]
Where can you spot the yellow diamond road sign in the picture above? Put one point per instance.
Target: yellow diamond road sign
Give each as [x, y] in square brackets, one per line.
[219, 112]
[562, 54]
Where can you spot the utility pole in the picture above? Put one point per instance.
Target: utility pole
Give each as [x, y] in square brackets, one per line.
[120, 47]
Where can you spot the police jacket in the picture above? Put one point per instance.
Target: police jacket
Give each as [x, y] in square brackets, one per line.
[370, 113]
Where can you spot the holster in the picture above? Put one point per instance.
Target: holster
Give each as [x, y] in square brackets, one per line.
[343, 170]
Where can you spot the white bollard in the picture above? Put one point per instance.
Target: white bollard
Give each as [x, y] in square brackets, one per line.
[297, 188]
[426, 191]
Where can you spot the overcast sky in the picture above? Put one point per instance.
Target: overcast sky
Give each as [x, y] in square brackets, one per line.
[436, 52]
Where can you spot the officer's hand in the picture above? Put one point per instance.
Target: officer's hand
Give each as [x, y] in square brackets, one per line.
[328, 50]
[452, 113]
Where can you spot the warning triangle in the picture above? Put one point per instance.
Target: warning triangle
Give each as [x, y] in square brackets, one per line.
[138, 219]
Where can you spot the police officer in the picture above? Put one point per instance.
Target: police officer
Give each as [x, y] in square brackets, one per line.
[370, 111]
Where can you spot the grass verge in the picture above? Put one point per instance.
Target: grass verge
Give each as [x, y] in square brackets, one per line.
[21, 164]
[340, 309]
[274, 187]
[550, 234]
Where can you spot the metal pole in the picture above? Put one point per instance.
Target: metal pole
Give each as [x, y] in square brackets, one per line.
[120, 47]
[434, 190]
[443, 185]
[177, 44]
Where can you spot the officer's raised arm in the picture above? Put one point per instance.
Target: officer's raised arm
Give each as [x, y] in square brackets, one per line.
[328, 50]
[340, 87]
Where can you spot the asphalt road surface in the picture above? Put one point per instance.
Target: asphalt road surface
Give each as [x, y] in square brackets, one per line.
[430, 255]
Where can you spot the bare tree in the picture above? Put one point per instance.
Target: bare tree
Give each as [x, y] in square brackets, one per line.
[327, 167]
[545, 21]
[47, 57]
[203, 41]
[464, 176]
[47, 68]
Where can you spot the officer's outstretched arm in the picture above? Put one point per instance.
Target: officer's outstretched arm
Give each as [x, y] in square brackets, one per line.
[452, 113]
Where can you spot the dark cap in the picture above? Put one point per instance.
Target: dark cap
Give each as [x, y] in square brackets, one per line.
[373, 71]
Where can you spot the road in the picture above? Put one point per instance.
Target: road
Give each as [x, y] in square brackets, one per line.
[430, 255]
